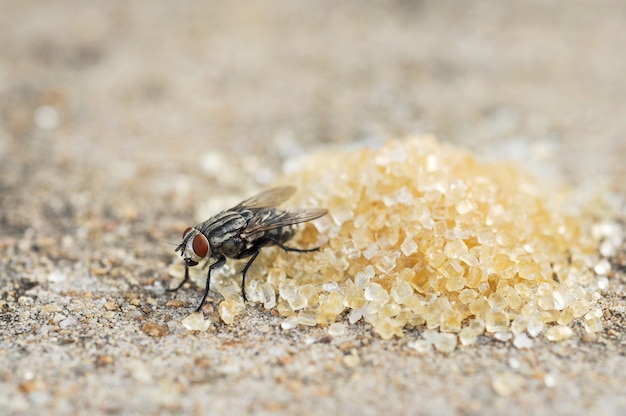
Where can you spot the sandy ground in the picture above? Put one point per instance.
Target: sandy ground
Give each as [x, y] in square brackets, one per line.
[121, 123]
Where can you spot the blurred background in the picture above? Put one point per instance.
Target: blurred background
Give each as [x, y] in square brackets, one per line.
[206, 97]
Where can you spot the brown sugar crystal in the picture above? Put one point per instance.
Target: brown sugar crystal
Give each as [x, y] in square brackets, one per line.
[421, 233]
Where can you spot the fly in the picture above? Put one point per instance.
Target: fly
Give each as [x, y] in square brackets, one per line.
[241, 231]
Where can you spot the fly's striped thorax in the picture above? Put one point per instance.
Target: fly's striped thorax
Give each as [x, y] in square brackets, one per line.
[225, 224]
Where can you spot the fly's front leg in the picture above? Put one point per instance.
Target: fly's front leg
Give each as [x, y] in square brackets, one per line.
[219, 263]
[251, 252]
[184, 280]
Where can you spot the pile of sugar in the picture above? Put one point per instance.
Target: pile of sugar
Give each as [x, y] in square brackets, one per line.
[422, 234]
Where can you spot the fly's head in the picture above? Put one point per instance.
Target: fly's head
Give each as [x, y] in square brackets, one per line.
[194, 246]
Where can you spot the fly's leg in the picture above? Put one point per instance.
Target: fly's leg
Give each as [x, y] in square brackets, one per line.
[184, 280]
[219, 263]
[297, 250]
[243, 272]
[251, 252]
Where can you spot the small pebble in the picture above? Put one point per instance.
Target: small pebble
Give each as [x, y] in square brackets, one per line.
[154, 330]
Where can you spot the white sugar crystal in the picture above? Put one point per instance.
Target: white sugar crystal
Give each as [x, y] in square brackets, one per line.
[370, 251]
[298, 302]
[337, 329]
[408, 246]
[603, 267]
[608, 248]
[288, 290]
[363, 278]
[351, 250]
[355, 315]
[289, 323]
[376, 293]
[521, 341]
[268, 296]
[401, 291]
[196, 322]
[502, 336]
[465, 206]
[562, 297]
[429, 335]
[331, 287]
[594, 313]
[445, 342]
[404, 196]
[387, 263]
[559, 333]
[252, 292]
[469, 259]
[535, 326]
[421, 346]
[607, 229]
[342, 215]
[307, 317]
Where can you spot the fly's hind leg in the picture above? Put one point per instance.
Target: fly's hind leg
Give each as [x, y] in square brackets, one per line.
[251, 252]
[243, 273]
[297, 250]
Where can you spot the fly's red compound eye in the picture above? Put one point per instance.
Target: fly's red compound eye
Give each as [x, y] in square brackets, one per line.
[186, 231]
[200, 245]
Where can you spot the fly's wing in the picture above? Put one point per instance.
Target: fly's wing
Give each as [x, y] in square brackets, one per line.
[272, 219]
[267, 199]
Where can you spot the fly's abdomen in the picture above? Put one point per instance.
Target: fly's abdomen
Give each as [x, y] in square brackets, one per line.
[282, 234]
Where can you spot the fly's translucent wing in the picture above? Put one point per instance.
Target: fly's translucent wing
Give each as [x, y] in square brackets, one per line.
[267, 199]
[272, 219]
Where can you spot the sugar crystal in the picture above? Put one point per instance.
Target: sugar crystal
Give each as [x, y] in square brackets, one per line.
[229, 309]
[337, 329]
[196, 322]
[298, 301]
[421, 346]
[289, 323]
[376, 293]
[470, 333]
[408, 246]
[603, 267]
[363, 278]
[521, 341]
[307, 317]
[559, 333]
[534, 326]
[422, 233]
[444, 342]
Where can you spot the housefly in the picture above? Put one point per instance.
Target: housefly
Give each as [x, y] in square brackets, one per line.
[241, 231]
